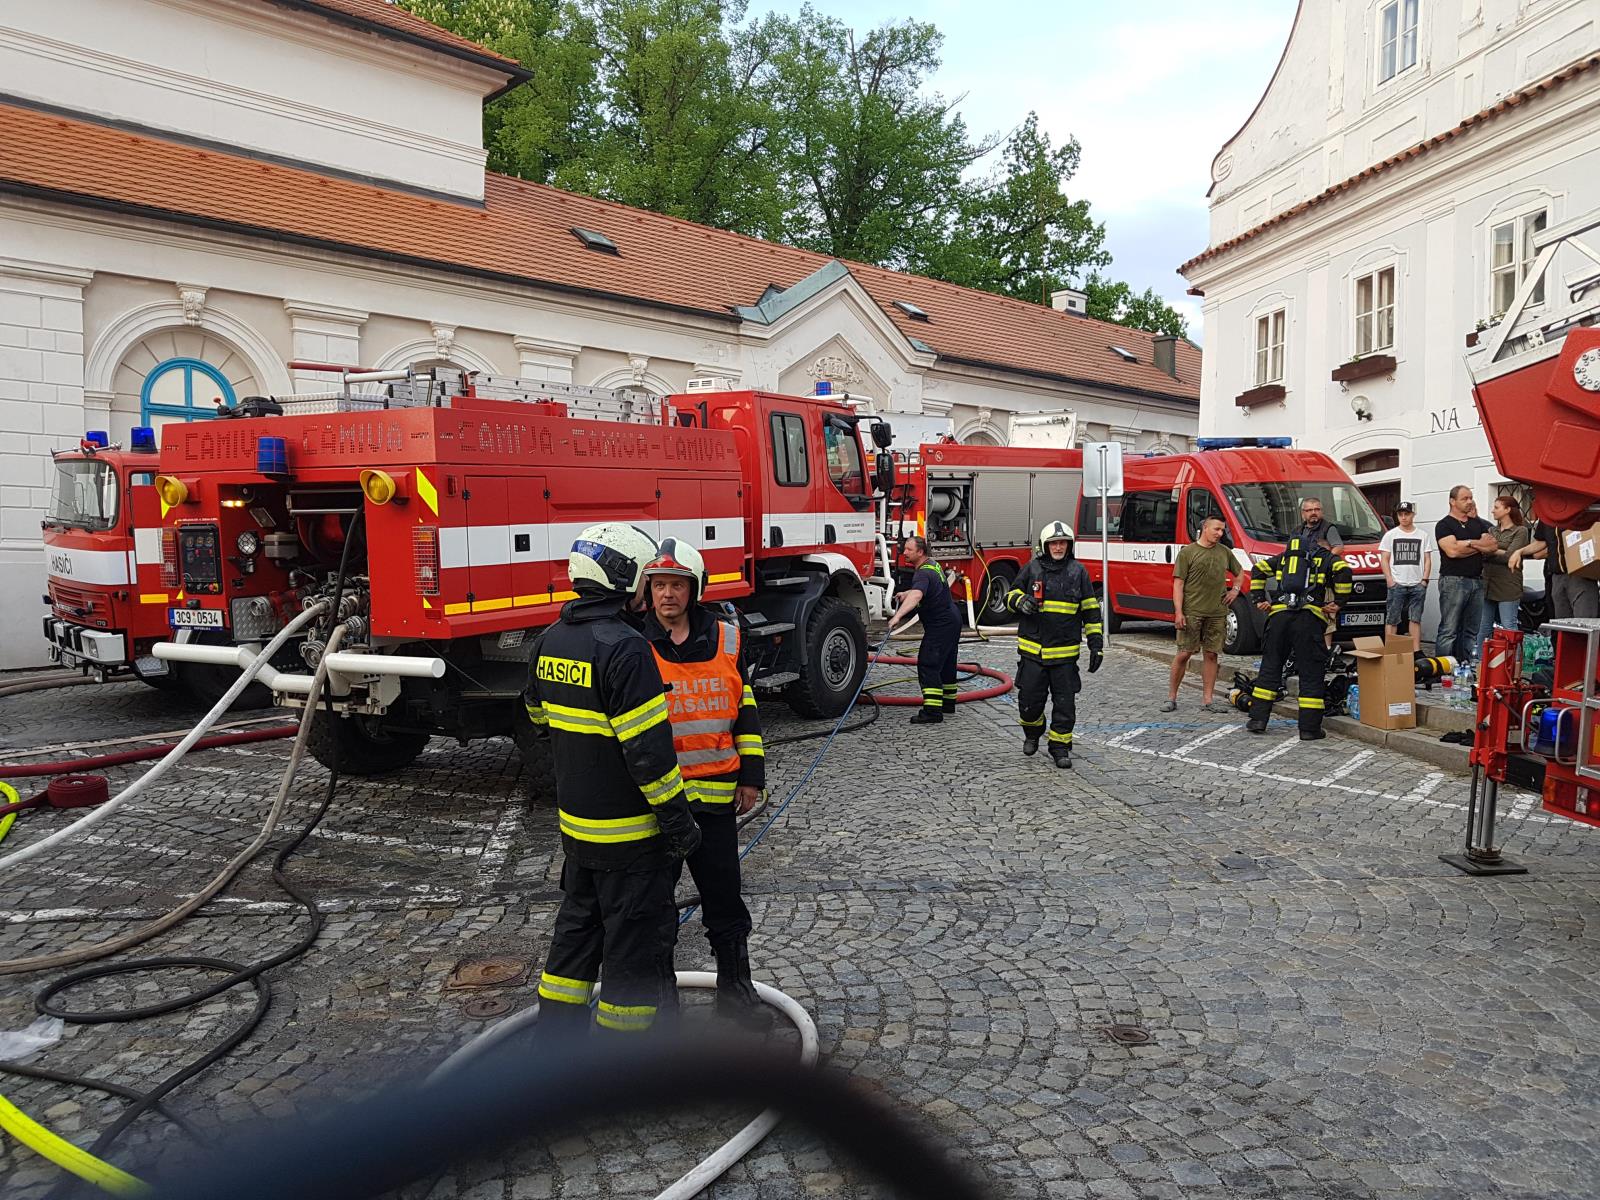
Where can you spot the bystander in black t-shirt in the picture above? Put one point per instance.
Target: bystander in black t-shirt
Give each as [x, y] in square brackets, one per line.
[1470, 530]
[937, 608]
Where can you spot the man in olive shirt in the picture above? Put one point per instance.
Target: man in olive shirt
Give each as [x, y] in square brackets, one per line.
[1200, 600]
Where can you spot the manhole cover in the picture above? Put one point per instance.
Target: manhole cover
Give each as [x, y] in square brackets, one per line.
[1128, 1035]
[481, 1008]
[488, 972]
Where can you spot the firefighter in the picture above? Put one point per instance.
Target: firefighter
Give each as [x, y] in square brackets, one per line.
[929, 595]
[717, 734]
[1058, 610]
[625, 820]
[1292, 589]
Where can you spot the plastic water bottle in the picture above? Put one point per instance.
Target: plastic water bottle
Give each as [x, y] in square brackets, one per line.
[1352, 702]
[1460, 684]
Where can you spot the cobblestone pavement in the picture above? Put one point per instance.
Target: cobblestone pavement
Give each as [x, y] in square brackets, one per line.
[1335, 1012]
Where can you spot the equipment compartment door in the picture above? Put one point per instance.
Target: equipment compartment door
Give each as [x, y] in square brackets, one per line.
[488, 543]
[531, 550]
[707, 514]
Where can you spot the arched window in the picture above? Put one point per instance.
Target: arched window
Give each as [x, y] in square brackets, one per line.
[183, 389]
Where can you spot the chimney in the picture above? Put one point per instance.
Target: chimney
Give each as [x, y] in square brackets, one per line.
[1070, 300]
[1166, 353]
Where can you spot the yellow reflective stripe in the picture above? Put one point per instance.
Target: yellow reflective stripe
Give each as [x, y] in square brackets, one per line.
[1311, 702]
[567, 991]
[936, 692]
[152, 598]
[626, 1018]
[748, 700]
[665, 788]
[428, 493]
[1090, 602]
[1058, 606]
[577, 720]
[636, 720]
[1027, 724]
[1093, 627]
[618, 829]
[67, 1156]
[1061, 738]
[749, 744]
[1046, 652]
[710, 791]
[1262, 693]
[536, 714]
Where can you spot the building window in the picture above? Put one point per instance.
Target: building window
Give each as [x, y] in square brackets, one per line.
[1269, 347]
[1376, 460]
[1375, 311]
[1511, 255]
[789, 465]
[183, 389]
[1397, 43]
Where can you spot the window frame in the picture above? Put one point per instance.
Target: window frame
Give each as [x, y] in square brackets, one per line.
[1273, 320]
[1192, 520]
[1399, 52]
[187, 411]
[1155, 497]
[1367, 321]
[1518, 221]
[778, 425]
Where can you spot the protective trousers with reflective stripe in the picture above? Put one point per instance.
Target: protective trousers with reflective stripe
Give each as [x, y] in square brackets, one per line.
[936, 666]
[621, 922]
[1060, 683]
[1299, 633]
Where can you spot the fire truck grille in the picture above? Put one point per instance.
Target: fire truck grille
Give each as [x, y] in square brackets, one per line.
[71, 598]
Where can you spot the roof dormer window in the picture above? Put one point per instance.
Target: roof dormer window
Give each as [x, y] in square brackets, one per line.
[912, 311]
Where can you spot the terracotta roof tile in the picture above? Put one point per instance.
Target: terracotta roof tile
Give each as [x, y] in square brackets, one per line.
[1562, 76]
[522, 233]
[391, 17]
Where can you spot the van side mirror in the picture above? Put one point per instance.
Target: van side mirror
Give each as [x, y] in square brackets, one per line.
[882, 435]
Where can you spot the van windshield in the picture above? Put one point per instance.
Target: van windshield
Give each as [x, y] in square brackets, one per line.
[85, 494]
[1271, 511]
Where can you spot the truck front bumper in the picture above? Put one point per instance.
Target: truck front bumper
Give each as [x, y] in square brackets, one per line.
[93, 651]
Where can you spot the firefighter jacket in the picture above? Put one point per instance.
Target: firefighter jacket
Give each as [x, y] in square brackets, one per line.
[593, 682]
[1300, 577]
[1069, 610]
[715, 727]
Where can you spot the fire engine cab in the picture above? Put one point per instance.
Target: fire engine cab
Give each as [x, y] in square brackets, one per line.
[441, 508]
[981, 506]
[102, 560]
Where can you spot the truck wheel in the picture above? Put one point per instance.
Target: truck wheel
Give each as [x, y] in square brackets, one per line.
[207, 684]
[833, 660]
[366, 746]
[538, 767]
[1241, 636]
[996, 584]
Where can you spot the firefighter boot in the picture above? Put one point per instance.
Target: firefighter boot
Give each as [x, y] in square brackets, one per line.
[736, 991]
[1030, 744]
[561, 1024]
[1062, 756]
[929, 715]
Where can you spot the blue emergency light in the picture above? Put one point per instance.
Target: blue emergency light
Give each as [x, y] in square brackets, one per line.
[824, 388]
[96, 437]
[272, 455]
[144, 438]
[1258, 443]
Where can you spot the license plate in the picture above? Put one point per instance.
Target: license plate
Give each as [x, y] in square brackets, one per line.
[196, 618]
[1361, 619]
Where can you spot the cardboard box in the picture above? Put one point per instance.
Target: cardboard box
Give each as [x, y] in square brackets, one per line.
[1582, 551]
[1388, 681]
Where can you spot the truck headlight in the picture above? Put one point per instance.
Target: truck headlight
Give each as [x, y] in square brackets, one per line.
[248, 542]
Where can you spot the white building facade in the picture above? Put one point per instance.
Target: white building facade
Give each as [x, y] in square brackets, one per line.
[177, 228]
[1375, 211]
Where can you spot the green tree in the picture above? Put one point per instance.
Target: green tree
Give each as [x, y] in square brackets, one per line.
[876, 158]
[1016, 231]
[1113, 300]
[540, 128]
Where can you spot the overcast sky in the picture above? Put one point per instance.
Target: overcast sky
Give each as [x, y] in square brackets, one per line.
[1151, 89]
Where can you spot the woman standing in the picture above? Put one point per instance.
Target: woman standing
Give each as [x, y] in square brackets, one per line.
[1502, 594]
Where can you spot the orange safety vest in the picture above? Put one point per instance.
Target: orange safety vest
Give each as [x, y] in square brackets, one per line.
[703, 704]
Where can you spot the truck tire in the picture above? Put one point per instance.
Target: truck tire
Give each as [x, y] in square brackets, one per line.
[1241, 625]
[365, 745]
[538, 779]
[996, 583]
[832, 660]
[207, 684]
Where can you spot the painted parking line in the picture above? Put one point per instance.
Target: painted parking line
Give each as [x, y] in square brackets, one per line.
[1205, 739]
[1349, 767]
[1277, 751]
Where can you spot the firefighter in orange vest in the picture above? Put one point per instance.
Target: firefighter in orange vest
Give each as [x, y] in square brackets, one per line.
[717, 734]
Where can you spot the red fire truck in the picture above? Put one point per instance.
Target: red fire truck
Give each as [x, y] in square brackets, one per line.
[102, 541]
[981, 507]
[452, 500]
